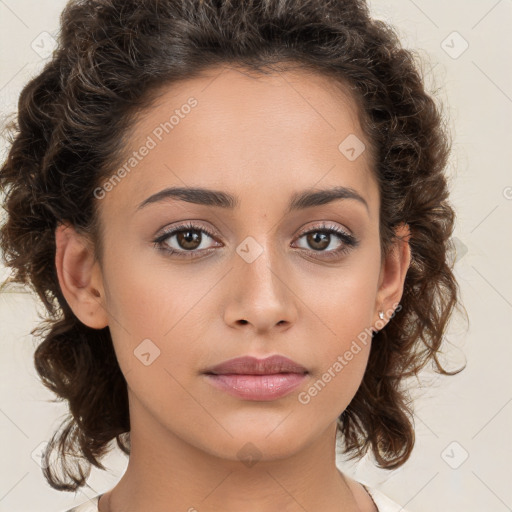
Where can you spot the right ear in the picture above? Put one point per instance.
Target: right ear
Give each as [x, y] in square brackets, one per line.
[80, 276]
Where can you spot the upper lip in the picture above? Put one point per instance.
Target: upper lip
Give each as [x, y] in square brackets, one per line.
[248, 365]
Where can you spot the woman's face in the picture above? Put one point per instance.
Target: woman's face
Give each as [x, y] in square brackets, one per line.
[254, 282]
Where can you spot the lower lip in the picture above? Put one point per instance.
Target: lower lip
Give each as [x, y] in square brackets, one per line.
[258, 387]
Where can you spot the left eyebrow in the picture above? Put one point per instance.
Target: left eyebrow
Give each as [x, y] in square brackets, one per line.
[299, 201]
[194, 195]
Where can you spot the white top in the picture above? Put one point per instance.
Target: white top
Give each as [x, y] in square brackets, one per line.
[383, 503]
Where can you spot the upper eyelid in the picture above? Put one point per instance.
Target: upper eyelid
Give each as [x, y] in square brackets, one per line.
[185, 225]
[324, 225]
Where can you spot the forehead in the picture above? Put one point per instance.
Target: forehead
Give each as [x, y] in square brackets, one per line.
[232, 129]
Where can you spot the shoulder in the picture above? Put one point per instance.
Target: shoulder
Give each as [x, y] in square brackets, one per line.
[383, 503]
[89, 506]
[366, 494]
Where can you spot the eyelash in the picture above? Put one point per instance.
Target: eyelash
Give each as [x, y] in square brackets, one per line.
[349, 241]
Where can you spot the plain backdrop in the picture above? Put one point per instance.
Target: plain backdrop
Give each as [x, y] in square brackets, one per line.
[461, 461]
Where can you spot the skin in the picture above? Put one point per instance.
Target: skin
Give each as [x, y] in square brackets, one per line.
[261, 138]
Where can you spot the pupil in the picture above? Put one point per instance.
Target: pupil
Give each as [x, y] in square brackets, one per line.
[321, 238]
[189, 239]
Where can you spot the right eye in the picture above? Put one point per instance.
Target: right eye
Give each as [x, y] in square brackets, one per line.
[188, 240]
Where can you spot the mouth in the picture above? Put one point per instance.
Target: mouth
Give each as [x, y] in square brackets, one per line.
[255, 379]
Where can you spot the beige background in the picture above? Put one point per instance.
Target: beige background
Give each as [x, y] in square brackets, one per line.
[467, 415]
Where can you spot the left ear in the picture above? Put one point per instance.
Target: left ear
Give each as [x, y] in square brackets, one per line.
[392, 275]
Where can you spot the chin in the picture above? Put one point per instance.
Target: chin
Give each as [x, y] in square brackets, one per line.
[259, 443]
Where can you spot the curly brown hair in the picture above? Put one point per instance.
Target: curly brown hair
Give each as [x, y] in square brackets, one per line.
[112, 59]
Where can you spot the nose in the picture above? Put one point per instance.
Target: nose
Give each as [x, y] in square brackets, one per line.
[260, 291]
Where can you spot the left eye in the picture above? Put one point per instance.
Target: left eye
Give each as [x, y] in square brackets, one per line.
[320, 237]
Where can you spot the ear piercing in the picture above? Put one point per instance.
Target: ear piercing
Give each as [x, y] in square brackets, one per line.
[381, 315]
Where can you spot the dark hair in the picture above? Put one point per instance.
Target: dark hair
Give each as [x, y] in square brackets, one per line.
[112, 59]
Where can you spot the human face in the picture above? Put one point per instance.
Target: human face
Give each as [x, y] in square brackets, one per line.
[257, 285]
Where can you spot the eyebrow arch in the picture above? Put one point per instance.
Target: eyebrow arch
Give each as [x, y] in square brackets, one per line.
[299, 201]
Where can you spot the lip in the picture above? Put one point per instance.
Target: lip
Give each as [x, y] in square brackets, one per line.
[248, 365]
[251, 378]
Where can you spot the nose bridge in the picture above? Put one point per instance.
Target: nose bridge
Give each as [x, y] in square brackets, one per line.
[261, 295]
[258, 264]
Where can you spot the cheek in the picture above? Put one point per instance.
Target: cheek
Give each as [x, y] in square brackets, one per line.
[156, 317]
[341, 313]
[335, 381]
[134, 302]
[342, 302]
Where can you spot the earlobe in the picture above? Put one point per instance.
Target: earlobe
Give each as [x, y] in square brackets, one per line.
[79, 276]
[393, 273]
